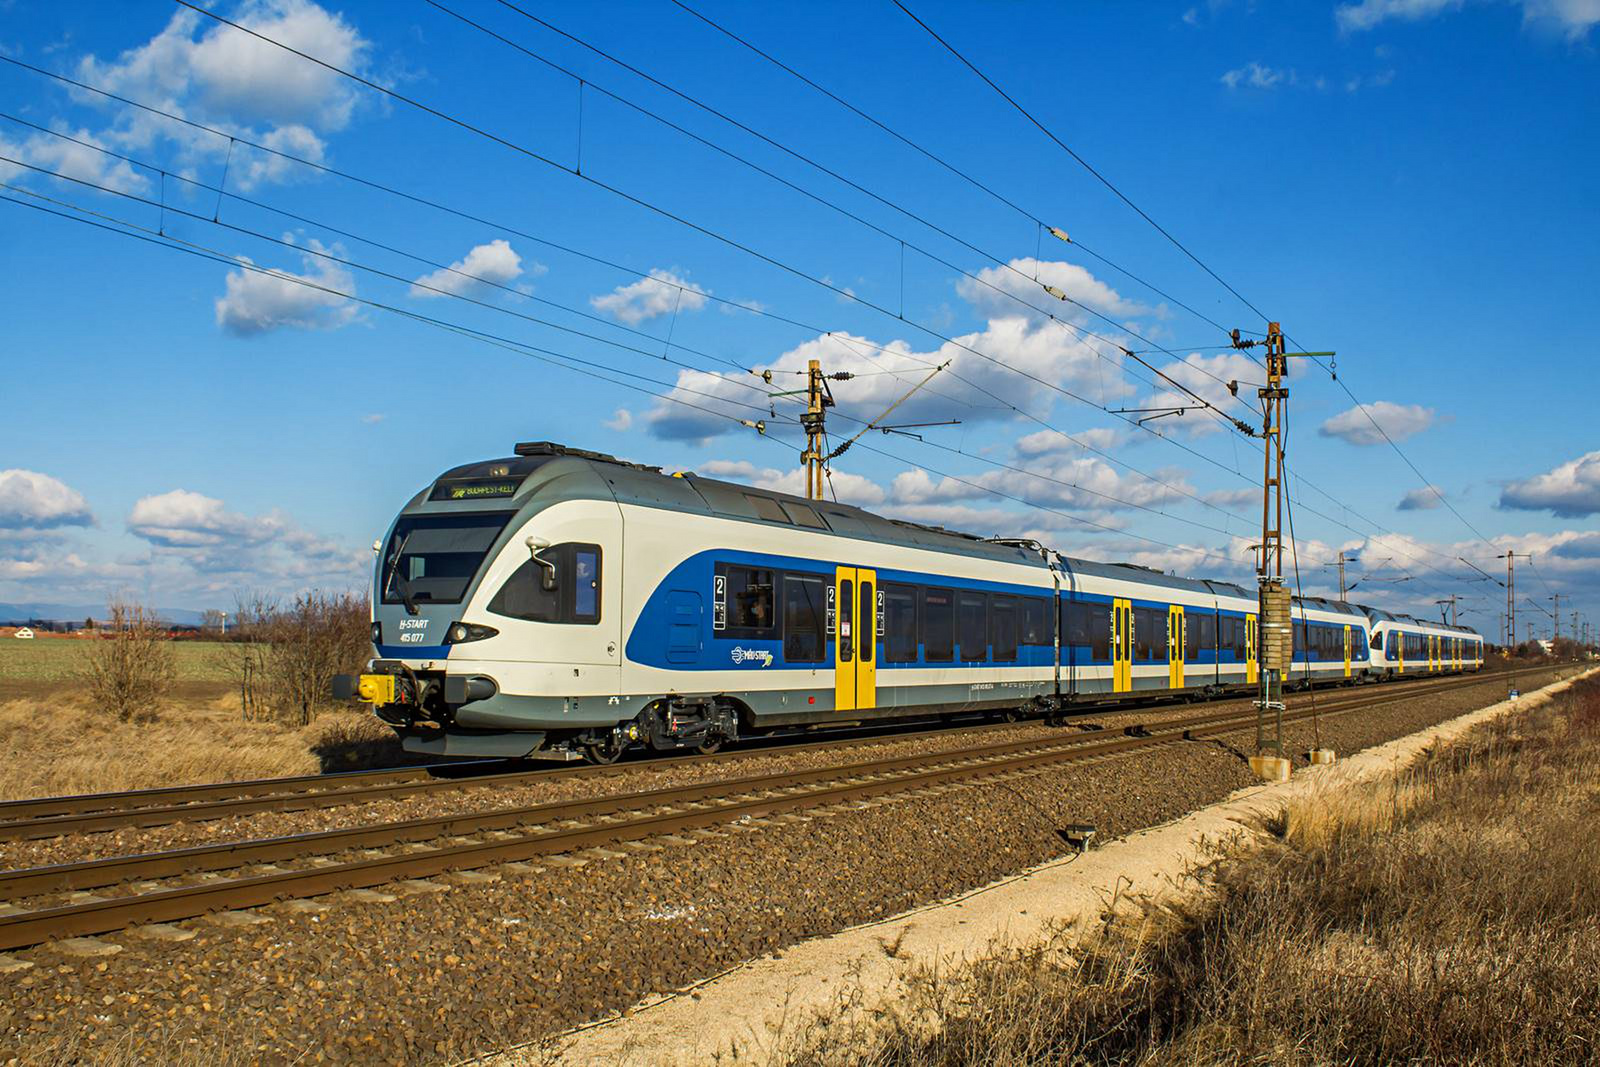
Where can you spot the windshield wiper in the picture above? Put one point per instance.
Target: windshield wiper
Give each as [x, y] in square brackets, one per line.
[393, 572]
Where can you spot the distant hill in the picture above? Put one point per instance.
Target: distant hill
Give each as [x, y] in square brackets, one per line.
[16, 614]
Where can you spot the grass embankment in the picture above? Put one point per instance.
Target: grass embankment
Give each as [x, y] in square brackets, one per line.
[1451, 915]
[53, 741]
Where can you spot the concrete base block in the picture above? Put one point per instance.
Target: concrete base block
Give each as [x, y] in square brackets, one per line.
[161, 932]
[1322, 757]
[1270, 768]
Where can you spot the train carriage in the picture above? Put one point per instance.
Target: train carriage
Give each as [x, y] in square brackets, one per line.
[568, 604]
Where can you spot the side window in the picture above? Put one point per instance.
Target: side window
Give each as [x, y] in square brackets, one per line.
[1036, 623]
[1191, 636]
[802, 618]
[1237, 626]
[1208, 632]
[566, 591]
[938, 625]
[744, 602]
[1003, 629]
[972, 617]
[900, 624]
[1149, 635]
[868, 640]
[1099, 620]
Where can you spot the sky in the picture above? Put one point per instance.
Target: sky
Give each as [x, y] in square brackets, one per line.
[245, 323]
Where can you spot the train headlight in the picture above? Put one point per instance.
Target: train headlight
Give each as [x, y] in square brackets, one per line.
[377, 633]
[462, 632]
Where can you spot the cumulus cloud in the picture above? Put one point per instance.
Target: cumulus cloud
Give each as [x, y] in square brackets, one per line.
[70, 160]
[620, 420]
[1017, 282]
[1571, 18]
[1427, 498]
[33, 501]
[183, 519]
[1254, 75]
[199, 69]
[1047, 442]
[662, 293]
[485, 267]
[1208, 378]
[1571, 490]
[850, 488]
[256, 302]
[1399, 421]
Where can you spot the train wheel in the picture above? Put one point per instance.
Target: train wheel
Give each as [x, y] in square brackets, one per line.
[603, 753]
[710, 745]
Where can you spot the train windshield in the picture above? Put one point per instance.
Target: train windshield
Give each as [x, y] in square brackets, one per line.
[431, 559]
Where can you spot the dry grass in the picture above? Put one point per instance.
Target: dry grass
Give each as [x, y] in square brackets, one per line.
[1451, 916]
[58, 747]
[63, 659]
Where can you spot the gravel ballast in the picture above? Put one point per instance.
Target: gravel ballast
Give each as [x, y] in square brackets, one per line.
[461, 965]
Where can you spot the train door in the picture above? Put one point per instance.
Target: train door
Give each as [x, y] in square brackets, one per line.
[855, 652]
[1400, 650]
[1347, 651]
[1250, 649]
[1175, 646]
[1433, 653]
[1121, 646]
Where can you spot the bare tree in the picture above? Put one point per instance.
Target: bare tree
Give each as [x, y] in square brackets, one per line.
[131, 670]
[289, 655]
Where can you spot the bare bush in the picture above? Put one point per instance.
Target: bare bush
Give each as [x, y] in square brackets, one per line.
[131, 670]
[286, 656]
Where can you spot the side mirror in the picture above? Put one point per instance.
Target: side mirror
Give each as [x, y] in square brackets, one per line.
[535, 546]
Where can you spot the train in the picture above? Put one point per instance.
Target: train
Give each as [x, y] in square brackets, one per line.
[564, 604]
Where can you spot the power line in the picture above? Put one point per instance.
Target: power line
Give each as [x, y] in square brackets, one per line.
[1179, 245]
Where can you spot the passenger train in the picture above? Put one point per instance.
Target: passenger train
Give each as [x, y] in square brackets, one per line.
[564, 604]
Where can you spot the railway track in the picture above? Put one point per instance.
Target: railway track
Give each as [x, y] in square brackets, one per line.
[364, 857]
[46, 817]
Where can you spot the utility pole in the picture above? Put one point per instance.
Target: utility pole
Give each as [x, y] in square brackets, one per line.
[1451, 600]
[1344, 590]
[1275, 643]
[1556, 634]
[1511, 594]
[814, 422]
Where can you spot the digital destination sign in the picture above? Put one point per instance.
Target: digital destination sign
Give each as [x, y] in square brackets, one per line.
[475, 489]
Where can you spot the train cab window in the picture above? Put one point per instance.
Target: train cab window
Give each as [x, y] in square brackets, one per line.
[802, 515]
[972, 619]
[1003, 629]
[743, 602]
[802, 618]
[766, 508]
[938, 625]
[432, 559]
[899, 624]
[565, 591]
[1036, 623]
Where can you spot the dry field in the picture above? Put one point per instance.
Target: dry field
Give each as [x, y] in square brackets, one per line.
[1449, 916]
[53, 741]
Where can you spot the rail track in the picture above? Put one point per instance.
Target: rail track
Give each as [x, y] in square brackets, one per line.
[363, 857]
[58, 816]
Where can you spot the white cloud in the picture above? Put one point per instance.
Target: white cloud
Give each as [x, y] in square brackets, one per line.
[1425, 499]
[1399, 421]
[1571, 18]
[33, 501]
[850, 488]
[219, 76]
[1571, 490]
[1256, 76]
[1047, 442]
[256, 302]
[1018, 282]
[1234, 499]
[662, 293]
[620, 420]
[484, 267]
[70, 160]
[1208, 378]
[182, 519]
[372, 420]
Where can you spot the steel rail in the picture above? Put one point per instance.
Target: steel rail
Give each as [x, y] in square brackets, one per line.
[768, 794]
[88, 813]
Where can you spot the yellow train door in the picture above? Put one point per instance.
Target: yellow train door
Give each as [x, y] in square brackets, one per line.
[855, 651]
[1396, 635]
[1347, 651]
[1250, 667]
[1175, 646]
[1121, 646]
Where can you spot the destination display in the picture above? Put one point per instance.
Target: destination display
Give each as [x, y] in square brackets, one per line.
[475, 489]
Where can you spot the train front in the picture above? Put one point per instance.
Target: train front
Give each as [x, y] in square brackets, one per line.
[487, 609]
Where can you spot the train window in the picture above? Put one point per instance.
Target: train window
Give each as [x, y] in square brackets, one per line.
[1099, 619]
[574, 572]
[868, 638]
[743, 602]
[1191, 637]
[433, 558]
[802, 618]
[938, 625]
[802, 515]
[900, 624]
[1236, 641]
[1208, 632]
[766, 508]
[1036, 623]
[972, 618]
[1003, 629]
[1149, 635]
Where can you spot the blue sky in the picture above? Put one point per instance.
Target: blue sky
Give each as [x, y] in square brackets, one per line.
[1412, 183]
